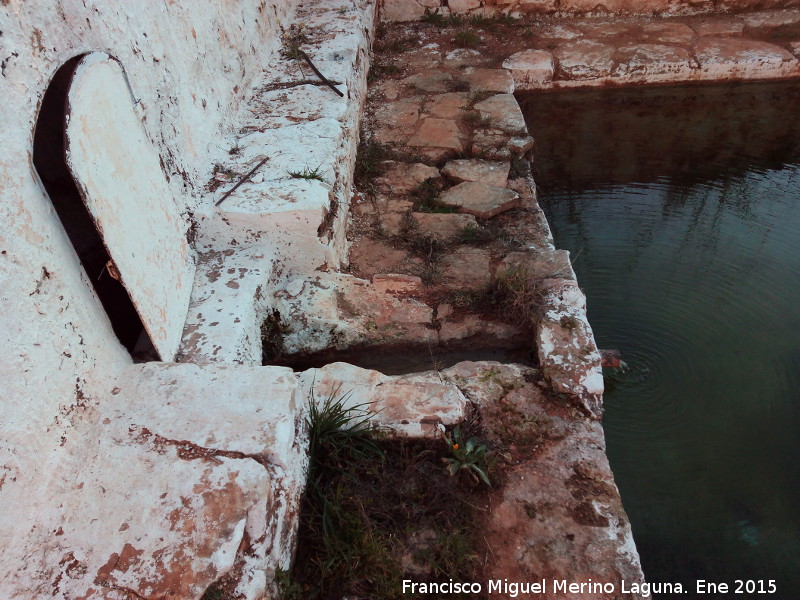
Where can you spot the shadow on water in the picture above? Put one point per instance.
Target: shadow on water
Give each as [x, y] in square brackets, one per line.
[682, 206]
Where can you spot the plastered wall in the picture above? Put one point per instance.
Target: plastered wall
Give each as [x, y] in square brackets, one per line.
[190, 63]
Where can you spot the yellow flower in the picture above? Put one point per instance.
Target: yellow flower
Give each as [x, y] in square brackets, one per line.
[455, 446]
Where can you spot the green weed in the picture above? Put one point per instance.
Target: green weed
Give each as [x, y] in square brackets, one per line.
[307, 173]
[467, 38]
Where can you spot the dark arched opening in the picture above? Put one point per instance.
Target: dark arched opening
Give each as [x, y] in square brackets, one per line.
[49, 159]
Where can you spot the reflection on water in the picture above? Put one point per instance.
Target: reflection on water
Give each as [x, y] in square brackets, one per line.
[682, 206]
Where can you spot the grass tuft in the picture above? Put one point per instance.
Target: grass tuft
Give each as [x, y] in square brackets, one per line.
[511, 296]
[467, 38]
[369, 163]
[307, 173]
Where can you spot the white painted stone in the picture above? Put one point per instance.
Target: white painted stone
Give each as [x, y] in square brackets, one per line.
[530, 69]
[120, 178]
[568, 354]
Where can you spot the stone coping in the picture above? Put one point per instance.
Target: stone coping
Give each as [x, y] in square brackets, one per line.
[592, 53]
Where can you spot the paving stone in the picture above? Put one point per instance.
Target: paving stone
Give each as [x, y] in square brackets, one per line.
[504, 112]
[401, 177]
[649, 60]
[389, 88]
[443, 226]
[437, 133]
[447, 106]
[393, 283]
[490, 80]
[490, 172]
[530, 68]
[430, 80]
[372, 256]
[730, 27]
[483, 201]
[400, 114]
[468, 267]
[722, 58]
[492, 144]
[584, 59]
[668, 33]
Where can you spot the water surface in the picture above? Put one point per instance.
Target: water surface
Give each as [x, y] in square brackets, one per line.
[681, 208]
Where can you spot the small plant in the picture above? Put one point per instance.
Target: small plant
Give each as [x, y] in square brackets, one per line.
[469, 456]
[272, 331]
[426, 198]
[475, 119]
[337, 431]
[439, 20]
[467, 38]
[293, 39]
[307, 173]
[476, 235]
[369, 163]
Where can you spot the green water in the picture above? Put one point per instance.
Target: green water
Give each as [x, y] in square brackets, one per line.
[681, 208]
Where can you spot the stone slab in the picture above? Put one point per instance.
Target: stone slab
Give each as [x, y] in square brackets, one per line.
[119, 175]
[490, 172]
[443, 226]
[437, 133]
[504, 113]
[483, 201]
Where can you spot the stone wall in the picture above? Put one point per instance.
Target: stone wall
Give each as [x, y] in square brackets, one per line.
[189, 65]
[408, 10]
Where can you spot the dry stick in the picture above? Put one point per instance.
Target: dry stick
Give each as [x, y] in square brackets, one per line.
[241, 181]
[320, 75]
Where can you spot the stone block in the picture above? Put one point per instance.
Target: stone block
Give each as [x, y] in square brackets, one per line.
[490, 172]
[504, 113]
[530, 69]
[490, 80]
[483, 201]
[584, 59]
[728, 58]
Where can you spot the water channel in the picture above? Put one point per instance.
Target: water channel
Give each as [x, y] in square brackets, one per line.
[681, 208]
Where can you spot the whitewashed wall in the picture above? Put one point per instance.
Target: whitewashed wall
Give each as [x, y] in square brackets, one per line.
[190, 63]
